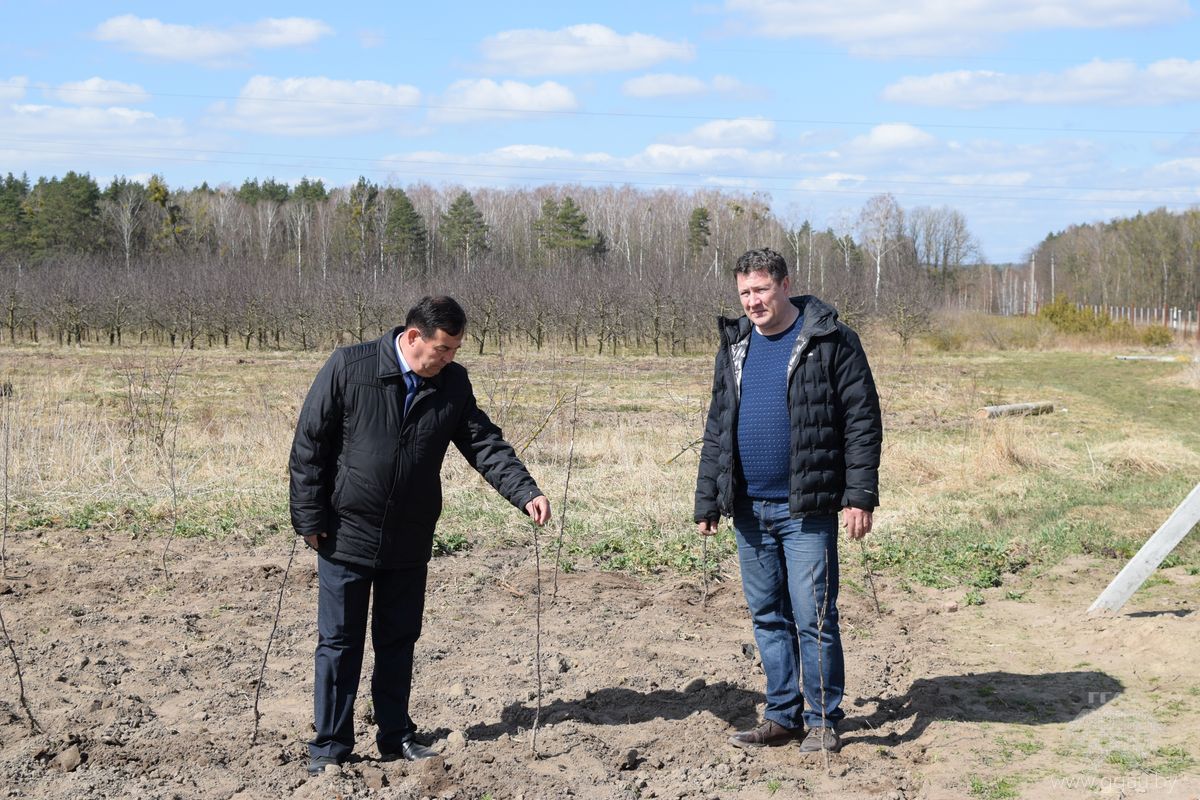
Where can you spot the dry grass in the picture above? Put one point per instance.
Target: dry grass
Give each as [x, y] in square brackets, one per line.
[964, 331]
[1189, 376]
[1155, 456]
[76, 441]
[77, 459]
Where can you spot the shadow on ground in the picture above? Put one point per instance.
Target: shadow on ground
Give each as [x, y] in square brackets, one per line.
[724, 700]
[1052, 697]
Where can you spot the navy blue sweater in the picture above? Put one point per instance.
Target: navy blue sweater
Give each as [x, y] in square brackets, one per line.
[763, 428]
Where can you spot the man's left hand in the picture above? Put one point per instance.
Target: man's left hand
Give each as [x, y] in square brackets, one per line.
[538, 509]
[858, 522]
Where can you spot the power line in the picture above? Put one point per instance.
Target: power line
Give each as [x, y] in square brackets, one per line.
[601, 114]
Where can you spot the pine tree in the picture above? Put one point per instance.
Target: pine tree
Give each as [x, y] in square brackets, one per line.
[546, 225]
[406, 234]
[14, 225]
[64, 215]
[463, 229]
[275, 191]
[563, 227]
[310, 191]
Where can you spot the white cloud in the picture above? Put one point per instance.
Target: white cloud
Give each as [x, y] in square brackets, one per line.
[51, 139]
[171, 42]
[469, 100]
[370, 39]
[13, 88]
[883, 27]
[1181, 172]
[990, 179]
[541, 153]
[137, 177]
[1121, 83]
[101, 92]
[732, 133]
[319, 106]
[578, 48]
[669, 85]
[67, 133]
[891, 137]
[704, 160]
[86, 137]
[831, 181]
[523, 163]
[664, 85]
[727, 85]
[517, 162]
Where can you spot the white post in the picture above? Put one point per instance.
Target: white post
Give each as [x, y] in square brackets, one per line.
[1156, 548]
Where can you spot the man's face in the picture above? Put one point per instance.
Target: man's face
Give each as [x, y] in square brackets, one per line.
[765, 302]
[427, 357]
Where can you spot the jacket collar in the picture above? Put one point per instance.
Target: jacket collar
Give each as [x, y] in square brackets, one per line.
[387, 367]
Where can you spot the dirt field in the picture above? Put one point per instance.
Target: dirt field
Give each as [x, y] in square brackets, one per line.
[143, 685]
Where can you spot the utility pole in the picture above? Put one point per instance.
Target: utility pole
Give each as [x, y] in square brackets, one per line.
[1032, 307]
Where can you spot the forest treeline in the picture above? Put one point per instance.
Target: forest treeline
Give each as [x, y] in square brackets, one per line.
[271, 264]
[1151, 259]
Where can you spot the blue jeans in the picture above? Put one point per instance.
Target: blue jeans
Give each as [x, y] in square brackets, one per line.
[342, 603]
[790, 577]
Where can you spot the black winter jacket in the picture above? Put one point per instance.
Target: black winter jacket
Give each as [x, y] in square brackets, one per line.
[370, 477]
[835, 426]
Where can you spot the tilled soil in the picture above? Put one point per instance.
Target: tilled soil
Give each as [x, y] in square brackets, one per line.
[143, 684]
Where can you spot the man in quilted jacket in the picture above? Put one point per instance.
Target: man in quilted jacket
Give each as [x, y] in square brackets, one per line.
[792, 440]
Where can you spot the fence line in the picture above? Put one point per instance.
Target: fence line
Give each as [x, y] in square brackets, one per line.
[1183, 321]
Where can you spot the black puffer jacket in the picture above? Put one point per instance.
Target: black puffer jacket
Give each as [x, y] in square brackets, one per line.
[836, 428]
[371, 478]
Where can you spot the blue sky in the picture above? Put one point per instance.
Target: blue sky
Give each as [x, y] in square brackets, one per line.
[1027, 116]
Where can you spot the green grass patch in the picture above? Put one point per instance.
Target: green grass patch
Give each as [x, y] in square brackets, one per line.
[992, 788]
[1056, 517]
[1164, 761]
[649, 551]
[1171, 761]
[450, 542]
[1170, 710]
[1011, 748]
[943, 558]
[197, 516]
[1108, 390]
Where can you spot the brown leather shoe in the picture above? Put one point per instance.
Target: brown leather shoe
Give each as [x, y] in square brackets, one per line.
[768, 734]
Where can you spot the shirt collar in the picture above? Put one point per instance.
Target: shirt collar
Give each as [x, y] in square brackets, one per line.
[404, 367]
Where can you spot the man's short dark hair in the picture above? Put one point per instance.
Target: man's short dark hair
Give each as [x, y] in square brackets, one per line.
[433, 314]
[763, 260]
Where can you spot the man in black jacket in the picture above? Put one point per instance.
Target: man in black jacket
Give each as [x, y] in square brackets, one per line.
[366, 495]
[793, 438]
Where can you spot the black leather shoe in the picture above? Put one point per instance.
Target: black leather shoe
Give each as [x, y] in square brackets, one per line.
[410, 750]
[769, 734]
